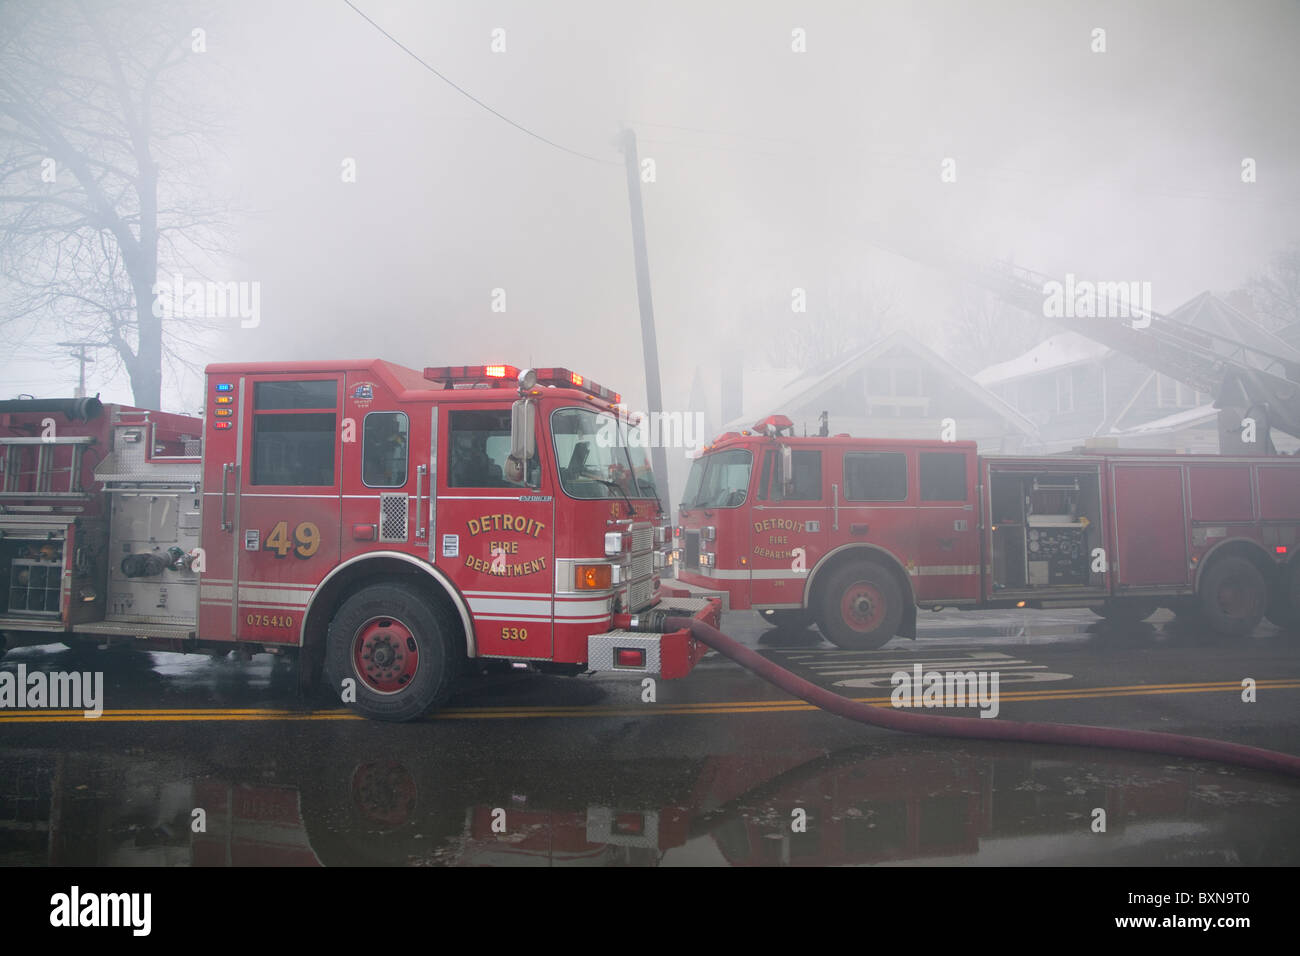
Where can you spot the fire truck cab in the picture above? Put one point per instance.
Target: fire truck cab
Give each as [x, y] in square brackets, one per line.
[388, 525]
[856, 533]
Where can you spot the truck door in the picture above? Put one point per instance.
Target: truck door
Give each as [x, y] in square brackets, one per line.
[494, 530]
[385, 476]
[788, 530]
[1150, 522]
[947, 543]
[286, 516]
[222, 459]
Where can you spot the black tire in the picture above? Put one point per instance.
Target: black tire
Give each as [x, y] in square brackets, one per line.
[1125, 610]
[1233, 595]
[861, 607]
[1284, 601]
[397, 649]
[789, 618]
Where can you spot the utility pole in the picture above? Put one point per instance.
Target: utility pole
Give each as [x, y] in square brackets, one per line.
[649, 347]
[82, 358]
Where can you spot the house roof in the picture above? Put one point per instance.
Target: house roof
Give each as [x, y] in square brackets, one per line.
[1060, 351]
[775, 393]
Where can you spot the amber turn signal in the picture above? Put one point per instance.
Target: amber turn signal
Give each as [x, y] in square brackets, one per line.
[593, 577]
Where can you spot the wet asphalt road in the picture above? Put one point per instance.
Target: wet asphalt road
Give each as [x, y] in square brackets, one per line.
[720, 769]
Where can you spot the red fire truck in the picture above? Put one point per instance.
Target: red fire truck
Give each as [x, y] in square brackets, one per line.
[387, 525]
[857, 533]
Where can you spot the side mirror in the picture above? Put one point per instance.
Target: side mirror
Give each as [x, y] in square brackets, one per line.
[523, 433]
[787, 467]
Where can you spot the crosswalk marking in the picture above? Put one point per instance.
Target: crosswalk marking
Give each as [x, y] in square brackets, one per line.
[868, 669]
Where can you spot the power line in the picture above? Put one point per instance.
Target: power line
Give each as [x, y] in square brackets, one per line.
[470, 96]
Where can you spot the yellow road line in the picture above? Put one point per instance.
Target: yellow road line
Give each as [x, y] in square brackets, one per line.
[646, 710]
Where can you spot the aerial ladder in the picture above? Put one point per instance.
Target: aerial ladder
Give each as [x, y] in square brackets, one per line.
[1259, 381]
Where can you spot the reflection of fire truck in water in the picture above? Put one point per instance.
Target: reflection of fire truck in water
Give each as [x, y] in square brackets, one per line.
[856, 533]
[857, 806]
[387, 525]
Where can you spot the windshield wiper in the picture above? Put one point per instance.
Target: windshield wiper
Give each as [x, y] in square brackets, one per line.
[654, 493]
[619, 488]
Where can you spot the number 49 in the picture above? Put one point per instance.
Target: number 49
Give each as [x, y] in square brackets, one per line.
[306, 534]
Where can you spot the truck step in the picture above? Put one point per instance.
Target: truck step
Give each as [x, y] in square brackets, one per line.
[680, 589]
[133, 629]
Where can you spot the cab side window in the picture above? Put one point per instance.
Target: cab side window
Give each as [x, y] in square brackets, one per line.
[479, 452]
[384, 444]
[943, 475]
[294, 429]
[875, 476]
[807, 484]
[765, 481]
[807, 477]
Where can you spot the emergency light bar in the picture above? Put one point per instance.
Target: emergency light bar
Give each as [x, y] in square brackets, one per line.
[773, 425]
[562, 377]
[471, 376]
[490, 376]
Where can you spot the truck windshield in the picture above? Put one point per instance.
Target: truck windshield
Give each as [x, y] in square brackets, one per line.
[593, 449]
[718, 481]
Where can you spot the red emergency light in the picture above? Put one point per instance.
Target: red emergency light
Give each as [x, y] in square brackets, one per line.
[774, 425]
[563, 378]
[630, 657]
[471, 376]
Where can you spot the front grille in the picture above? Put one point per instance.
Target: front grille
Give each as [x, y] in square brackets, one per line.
[692, 549]
[640, 588]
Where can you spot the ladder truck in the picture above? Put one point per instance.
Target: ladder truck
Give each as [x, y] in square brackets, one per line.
[388, 527]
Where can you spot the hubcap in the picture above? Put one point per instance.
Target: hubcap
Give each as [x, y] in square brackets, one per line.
[863, 607]
[385, 655]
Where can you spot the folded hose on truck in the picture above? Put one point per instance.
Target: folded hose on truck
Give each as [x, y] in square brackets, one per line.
[1075, 735]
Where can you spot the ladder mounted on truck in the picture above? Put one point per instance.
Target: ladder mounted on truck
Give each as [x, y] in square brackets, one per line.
[1240, 375]
[1245, 378]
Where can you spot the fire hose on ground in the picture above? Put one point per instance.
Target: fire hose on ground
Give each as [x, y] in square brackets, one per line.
[1075, 735]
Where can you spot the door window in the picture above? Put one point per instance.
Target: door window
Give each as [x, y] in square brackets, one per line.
[384, 444]
[294, 426]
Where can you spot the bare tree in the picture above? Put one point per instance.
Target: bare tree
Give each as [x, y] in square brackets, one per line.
[103, 141]
[983, 329]
[1274, 294]
[838, 320]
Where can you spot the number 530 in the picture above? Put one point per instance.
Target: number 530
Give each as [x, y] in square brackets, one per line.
[306, 534]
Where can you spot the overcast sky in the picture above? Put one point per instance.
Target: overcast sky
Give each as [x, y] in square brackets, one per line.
[775, 169]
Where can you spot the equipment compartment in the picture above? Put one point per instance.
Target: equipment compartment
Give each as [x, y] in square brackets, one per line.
[1044, 526]
[34, 587]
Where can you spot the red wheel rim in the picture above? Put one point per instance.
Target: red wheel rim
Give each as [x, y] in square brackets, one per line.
[385, 655]
[863, 607]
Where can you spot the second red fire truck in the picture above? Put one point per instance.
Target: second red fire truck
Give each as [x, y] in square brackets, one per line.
[856, 534]
[387, 525]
